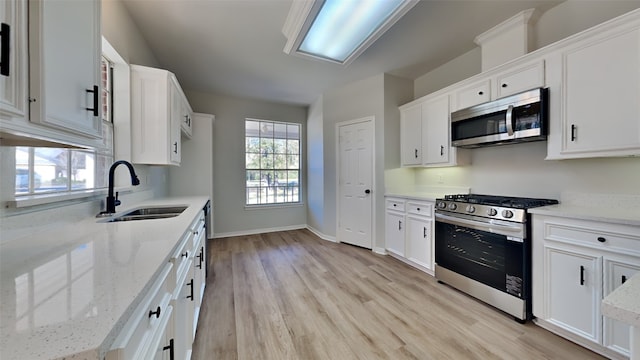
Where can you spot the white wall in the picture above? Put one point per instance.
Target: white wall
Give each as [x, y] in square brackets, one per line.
[230, 214]
[520, 169]
[315, 167]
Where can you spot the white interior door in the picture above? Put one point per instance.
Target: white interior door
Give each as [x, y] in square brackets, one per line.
[355, 182]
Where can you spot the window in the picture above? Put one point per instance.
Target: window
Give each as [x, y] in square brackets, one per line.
[43, 170]
[272, 165]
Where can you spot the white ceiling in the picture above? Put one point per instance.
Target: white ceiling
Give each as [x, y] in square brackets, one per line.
[235, 47]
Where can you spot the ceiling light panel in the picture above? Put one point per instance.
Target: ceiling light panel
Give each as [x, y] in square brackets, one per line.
[340, 30]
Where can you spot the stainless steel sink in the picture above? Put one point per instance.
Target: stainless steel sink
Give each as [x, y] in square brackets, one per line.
[149, 213]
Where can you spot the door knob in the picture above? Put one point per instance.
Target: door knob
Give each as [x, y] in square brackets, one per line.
[367, 191]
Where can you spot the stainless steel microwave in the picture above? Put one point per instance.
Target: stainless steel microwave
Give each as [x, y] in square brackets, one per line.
[516, 118]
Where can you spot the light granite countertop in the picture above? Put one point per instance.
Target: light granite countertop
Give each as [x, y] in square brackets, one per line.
[623, 303]
[67, 291]
[623, 216]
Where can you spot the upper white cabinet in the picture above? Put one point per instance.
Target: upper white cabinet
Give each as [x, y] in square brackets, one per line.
[425, 133]
[411, 134]
[50, 90]
[598, 78]
[436, 138]
[64, 69]
[508, 81]
[13, 68]
[157, 113]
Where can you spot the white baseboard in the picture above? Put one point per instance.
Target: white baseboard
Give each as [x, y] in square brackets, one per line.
[321, 235]
[258, 231]
[380, 251]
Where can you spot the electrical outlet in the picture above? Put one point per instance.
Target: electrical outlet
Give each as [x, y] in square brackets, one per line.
[440, 179]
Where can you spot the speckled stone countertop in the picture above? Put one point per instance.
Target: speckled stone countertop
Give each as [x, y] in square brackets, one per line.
[68, 291]
[623, 304]
[623, 216]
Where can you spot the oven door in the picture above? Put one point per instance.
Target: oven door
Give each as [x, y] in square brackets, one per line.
[493, 252]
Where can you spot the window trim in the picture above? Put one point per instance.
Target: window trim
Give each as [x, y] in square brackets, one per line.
[300, 168]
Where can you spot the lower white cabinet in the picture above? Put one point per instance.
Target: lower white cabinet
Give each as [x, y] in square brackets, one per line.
[395, 227]
[409, 232]
[163, 326]
[576, 263]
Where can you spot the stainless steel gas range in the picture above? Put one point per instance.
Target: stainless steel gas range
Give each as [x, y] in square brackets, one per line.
[482, 246]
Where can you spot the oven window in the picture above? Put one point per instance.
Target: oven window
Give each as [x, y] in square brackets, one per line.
[482, 256]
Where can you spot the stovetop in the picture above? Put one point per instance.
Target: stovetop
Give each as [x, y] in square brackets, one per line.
[502, 201]
[507, 208]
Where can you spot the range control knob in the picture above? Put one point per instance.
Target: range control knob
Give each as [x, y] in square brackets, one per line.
[442, 205]
[507, 214]
[471, 209]
[452, 206]
[492, 212]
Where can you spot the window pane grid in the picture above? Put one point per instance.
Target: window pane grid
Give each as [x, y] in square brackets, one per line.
[272, 162]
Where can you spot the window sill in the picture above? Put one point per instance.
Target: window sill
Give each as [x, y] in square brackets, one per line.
[43, 199]
[272, 206]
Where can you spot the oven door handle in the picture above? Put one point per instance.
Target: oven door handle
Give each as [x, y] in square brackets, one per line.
[502, 229]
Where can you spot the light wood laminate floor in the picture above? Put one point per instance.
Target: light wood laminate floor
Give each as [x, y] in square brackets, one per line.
[291, 295]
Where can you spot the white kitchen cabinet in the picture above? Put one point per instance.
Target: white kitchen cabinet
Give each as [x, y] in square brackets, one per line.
[574, 291]
[395, 226]
[472, 94]
[64, 71]
[199, 270]
[598, 75]
[509, 80]
[157, 111]
[436, 138]
[576, 263]
[420, 245]
[409, 232]
[411, 135]
[186, 114]
[13, 77]
[54, 61]
[425, 129]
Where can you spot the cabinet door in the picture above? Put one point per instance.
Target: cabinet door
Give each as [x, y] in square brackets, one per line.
[411, 135]
[419, 241]
[573, 282]
[394, 233]
[435, 131]
[175, 120]
[183, 338]
[601, 88]
[616, 333]
[186, 123]
[473, 94]
[64, 56]
[519, 79]
[13, 79]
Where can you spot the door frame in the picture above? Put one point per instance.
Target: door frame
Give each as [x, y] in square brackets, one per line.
[371, 119]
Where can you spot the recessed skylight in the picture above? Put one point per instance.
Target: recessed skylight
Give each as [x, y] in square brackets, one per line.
[340, 30]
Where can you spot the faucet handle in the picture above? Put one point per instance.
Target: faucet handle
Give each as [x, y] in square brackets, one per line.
[117, 202]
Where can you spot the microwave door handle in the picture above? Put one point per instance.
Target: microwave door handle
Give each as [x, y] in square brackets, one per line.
[509, 120]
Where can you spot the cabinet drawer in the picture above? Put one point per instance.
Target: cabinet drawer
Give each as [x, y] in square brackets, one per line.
[422, 209]
[395, 204]
[520, 79]
[145, 321]
[611, 238]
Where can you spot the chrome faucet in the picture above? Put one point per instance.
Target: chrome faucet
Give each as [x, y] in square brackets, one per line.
[112, 201]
